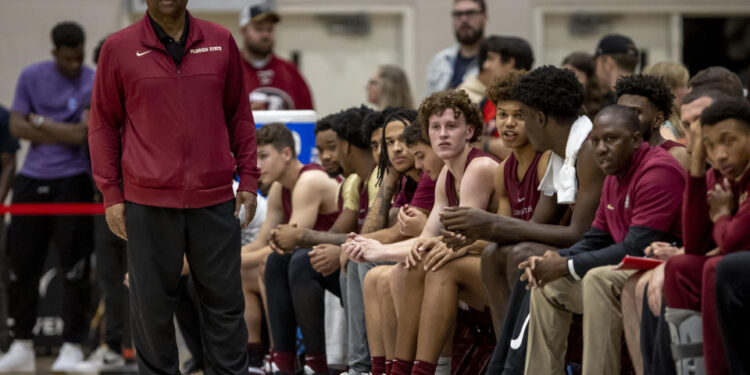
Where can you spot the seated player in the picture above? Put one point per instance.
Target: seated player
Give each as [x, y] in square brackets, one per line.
[719, 221]
[413, 204]
[356, 164]
[452, 124]
[550, 112]
[303, 195]
[642, 302]
[640, 203]
[652, 99]
[516, 181]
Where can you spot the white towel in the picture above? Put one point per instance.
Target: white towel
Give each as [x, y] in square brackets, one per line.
[561, 177]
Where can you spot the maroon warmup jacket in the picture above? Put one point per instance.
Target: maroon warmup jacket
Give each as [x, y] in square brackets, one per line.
[168, 136]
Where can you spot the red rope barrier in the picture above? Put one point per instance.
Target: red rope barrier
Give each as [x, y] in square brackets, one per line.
[53, 209]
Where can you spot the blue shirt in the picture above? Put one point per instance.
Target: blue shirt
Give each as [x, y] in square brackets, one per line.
[43, 90]
[460, 66]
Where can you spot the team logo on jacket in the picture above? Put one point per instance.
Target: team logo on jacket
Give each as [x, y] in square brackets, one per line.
[206, 49]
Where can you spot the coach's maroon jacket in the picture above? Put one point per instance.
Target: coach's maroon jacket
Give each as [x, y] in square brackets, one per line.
[163, 135]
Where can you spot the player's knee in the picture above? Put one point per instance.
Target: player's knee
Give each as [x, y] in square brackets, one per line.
[300, 269]
[384, 285]
[445, 275]
[371, 282]
[494, 258]
[521, 252]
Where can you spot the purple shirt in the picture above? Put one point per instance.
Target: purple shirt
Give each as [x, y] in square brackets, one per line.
[43, 90]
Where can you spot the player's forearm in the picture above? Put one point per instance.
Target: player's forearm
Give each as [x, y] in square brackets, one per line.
[254, 258]
[8, 172]
[378, 213]
[387, 236]
[311, 238]
[513, 231]
[398, 251]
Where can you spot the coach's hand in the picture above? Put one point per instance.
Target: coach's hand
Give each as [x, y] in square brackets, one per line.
[115, 216]
[247, 199]
[473, 223]
[551, 267]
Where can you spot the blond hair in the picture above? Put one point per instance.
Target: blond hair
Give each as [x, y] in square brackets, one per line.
[395, 89]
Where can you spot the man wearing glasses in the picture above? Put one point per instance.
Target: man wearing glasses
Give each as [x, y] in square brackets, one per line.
[449, 67]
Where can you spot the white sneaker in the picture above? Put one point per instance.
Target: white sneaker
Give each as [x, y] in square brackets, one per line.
[20, 357]
[269, 367]
[70, 356]
[101, 359]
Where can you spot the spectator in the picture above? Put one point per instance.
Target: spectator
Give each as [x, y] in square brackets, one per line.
[453, 65]
[476, 85]
[48, 111]
[8, 148]
[616, 56]
[676, 77]
[583, 65]
[111, 266]
[389, 87]
[273, 83]
[162, 140]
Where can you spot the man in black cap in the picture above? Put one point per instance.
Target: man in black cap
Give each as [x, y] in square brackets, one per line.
[273, 83]
[616, 56]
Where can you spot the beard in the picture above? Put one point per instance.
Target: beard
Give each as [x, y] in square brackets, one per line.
[259, 49]
[467, 35]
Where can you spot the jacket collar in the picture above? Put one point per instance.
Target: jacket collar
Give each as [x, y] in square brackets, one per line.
[150, 39]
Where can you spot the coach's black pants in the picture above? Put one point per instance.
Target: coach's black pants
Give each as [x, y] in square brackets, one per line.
[295, 293]
[28, 240]
[111, 265]
[210, 238]
[733, 307]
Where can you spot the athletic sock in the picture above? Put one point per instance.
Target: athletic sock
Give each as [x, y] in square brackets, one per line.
[284, 361]
[378, 365]
[401, 367]
[255, 354]
[444, 366]
[317, 362]
[388, 367]
[423, 368]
